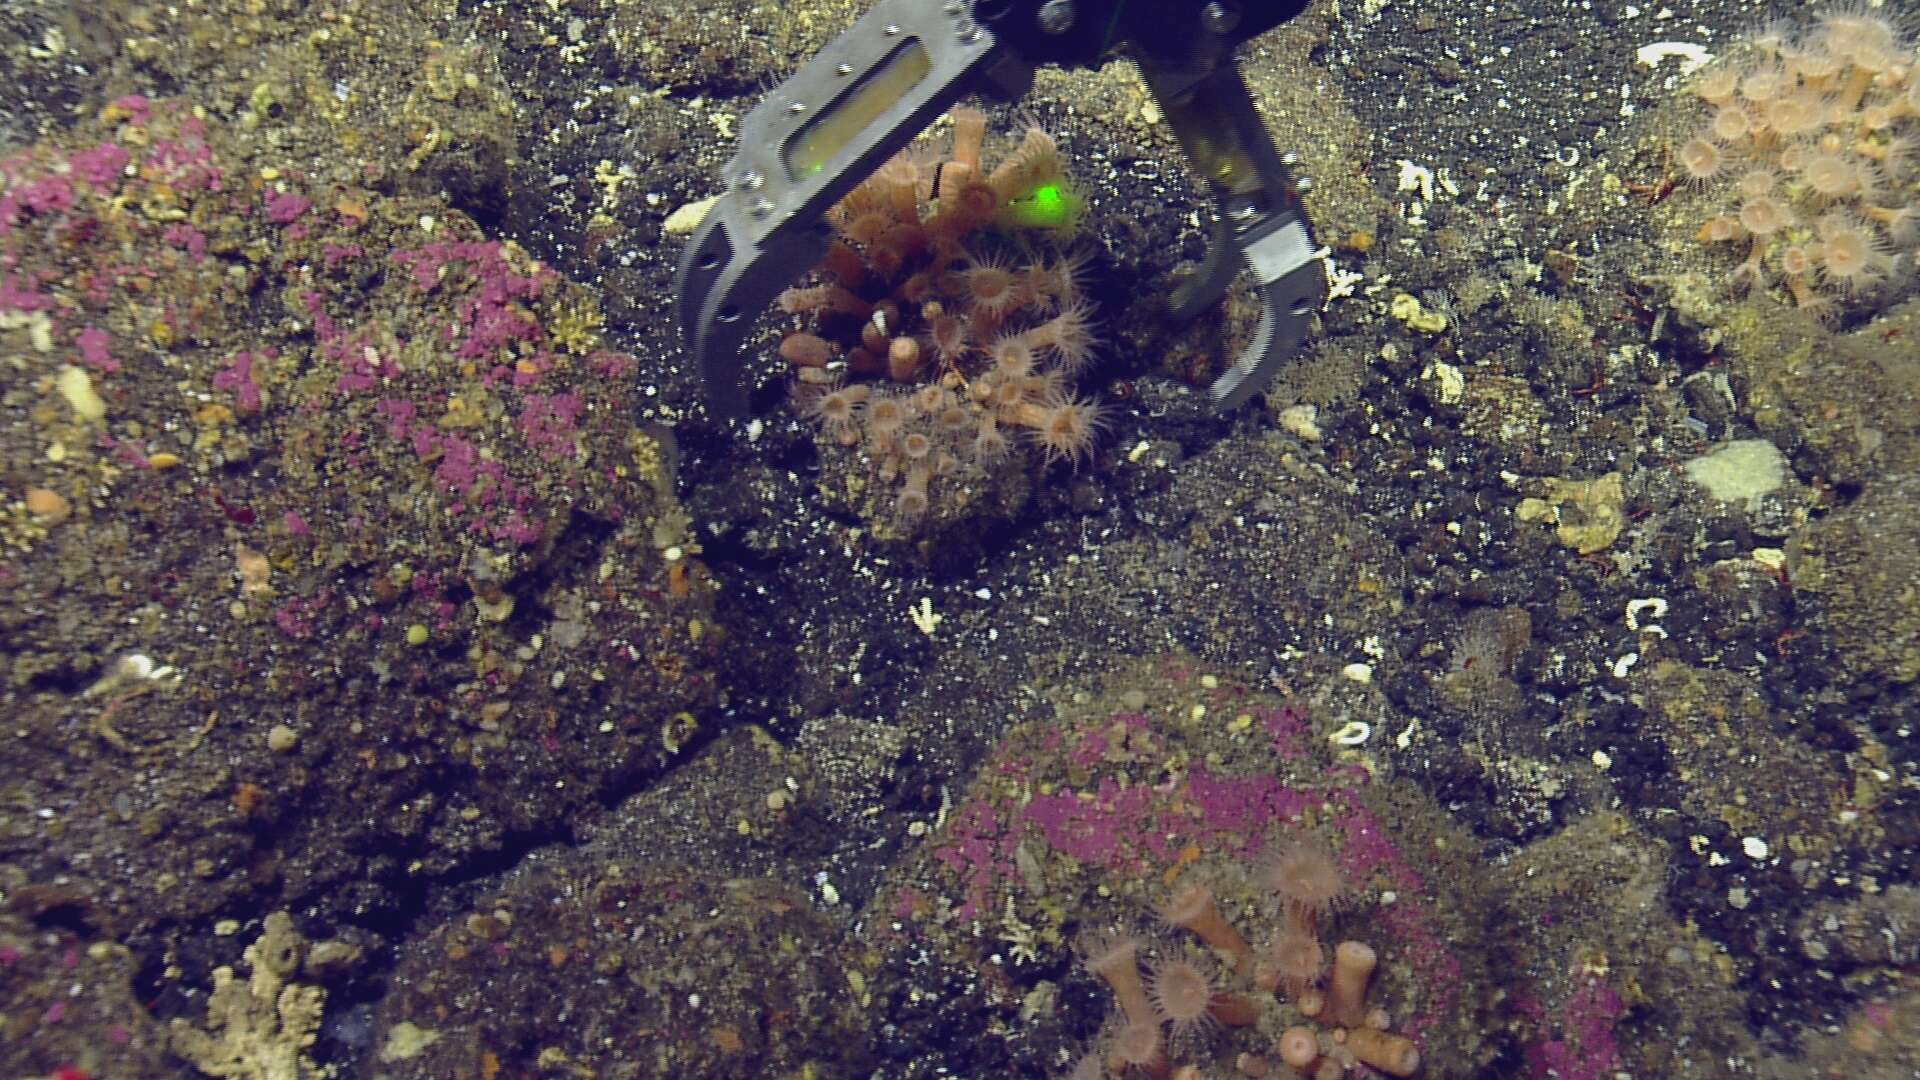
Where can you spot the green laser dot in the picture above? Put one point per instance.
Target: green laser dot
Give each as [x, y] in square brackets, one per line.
[1049, 206]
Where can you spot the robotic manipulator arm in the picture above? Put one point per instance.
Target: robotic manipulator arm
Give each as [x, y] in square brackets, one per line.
[869, 92]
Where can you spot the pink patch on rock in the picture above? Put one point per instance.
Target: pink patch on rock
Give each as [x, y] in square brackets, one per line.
[95, 349]
[612, 365]
[186, 162]
[398, 413]
[489, 313]
[137, 106]
[102, 166]
[51, 194]
[1089, 750]
[1238, 809]
[186, 238]
[1287, 727]
[974, 852]
[1108, 829]
[17, 294]
[1582, 1044]
[549, 422]
[237, 380]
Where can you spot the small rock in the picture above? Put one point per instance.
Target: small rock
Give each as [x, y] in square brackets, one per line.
[1742, 471]
[77, 387]
[1301, 421]
[48, 505]
[687, 218]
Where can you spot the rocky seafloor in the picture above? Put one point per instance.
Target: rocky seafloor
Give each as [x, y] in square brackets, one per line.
[404, 675]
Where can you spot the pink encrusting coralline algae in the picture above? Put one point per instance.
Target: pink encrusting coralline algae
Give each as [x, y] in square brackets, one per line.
[1135, 802]
[1229, 818]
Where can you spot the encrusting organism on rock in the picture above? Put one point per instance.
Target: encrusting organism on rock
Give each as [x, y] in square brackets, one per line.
[259, 1028]
[1820, 129]
[1291, 963]
[1307, 880]
[1181, 998]
[1192, 908]
[945, 310]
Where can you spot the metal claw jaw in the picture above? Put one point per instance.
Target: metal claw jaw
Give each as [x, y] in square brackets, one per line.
[817, 135]
[869, 92]
[1293, 286]
[1262, 227]
[722, 284]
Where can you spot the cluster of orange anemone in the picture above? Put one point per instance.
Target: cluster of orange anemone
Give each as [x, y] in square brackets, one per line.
[1819, 128]
[944, 333]
[1179, 997]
